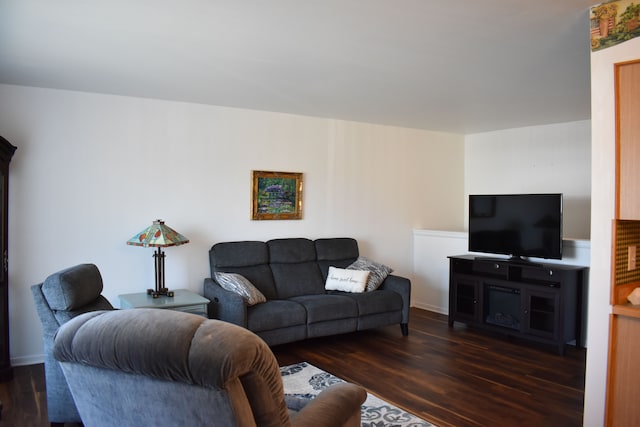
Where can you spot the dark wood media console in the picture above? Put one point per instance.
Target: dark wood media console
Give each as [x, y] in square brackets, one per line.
[537, 302]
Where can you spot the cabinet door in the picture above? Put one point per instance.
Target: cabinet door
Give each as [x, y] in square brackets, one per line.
[624, 377]
[628, 150]
[541, 313]
[466, 299]
[5, 361]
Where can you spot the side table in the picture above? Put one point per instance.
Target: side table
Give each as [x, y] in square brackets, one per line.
[182, 300]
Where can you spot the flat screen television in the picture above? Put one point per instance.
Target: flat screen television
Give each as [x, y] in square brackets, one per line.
[519, 225]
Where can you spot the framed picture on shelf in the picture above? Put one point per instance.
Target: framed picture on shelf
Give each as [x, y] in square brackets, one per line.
[276, 195]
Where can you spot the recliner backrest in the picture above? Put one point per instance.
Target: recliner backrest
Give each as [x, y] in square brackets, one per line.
[74, 291]
[248, 258]
[338, 252]
[284, 268]
[294, 266]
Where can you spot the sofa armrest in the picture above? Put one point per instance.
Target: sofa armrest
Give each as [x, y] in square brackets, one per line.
[337, 406]
[225, 305]
[401, 285]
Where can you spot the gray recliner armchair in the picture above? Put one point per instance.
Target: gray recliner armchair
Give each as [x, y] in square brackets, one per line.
[61, 297]
[151, 367]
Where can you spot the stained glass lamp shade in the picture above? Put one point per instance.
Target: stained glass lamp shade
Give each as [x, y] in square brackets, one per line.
[158, 235]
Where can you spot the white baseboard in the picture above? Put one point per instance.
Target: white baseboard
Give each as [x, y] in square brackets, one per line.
[27, 360]
[430, 307]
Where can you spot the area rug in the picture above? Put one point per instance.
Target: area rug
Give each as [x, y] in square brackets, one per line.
[306, 380]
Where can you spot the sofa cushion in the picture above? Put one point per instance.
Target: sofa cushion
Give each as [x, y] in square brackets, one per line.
[340, 279]
[321, 308]
[338, 252]
[377, 272]
[247, 258]
[239, 284]
[275, 314]
[294, 267]
[73, 287]
[380, 301]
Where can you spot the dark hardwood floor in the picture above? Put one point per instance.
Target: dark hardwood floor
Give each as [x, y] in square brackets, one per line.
[448, 376]
[454, 376]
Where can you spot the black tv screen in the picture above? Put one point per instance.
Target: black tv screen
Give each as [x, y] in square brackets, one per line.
[519, 225]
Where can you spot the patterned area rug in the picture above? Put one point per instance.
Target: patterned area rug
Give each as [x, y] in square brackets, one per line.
[305, 380]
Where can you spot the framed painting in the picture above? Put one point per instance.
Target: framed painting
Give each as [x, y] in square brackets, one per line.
[276, 195]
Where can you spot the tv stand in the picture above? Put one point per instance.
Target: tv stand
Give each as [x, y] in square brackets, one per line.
[523, 261]
[533, 301]
[512, 260]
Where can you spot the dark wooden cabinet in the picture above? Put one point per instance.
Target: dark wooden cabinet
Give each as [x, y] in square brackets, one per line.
[6, 153]
[538, 302]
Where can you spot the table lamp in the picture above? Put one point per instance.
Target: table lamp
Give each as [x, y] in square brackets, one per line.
[158, 235]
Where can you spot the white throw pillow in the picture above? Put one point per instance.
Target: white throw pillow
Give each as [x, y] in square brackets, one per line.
[340, 279]
[240, 285]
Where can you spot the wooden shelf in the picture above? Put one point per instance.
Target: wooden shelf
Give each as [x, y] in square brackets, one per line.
[628, 310]
[621, 292]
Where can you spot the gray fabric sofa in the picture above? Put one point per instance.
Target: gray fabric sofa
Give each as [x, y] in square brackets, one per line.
[151, 367]
[291, 273]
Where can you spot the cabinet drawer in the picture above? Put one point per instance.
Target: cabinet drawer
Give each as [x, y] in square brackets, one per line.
[461, 266]
[492, 268]
[546, 274]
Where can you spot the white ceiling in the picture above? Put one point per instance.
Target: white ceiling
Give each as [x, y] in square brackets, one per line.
[462, 66]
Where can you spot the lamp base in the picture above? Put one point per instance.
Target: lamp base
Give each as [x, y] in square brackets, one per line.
[159, 256]
[161, 292]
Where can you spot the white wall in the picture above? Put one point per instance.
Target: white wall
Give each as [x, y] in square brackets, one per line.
[430, 285]
[540, 159]
[92, 170]
[602, 213]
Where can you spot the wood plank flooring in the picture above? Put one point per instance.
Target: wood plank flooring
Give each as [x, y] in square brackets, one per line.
[454, 376]
[448, 376]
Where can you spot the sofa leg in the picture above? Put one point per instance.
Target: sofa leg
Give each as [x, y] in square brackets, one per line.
[404, 327]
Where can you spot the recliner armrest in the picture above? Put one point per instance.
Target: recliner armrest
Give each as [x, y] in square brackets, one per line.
[337, 406]
[401, 285]
[225, 305]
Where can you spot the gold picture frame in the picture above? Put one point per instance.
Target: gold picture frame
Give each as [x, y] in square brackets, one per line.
[276, 195]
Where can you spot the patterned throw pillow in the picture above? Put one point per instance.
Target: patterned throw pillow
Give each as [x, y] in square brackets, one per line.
[339, 279]
[377, 272]
[240, 285]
